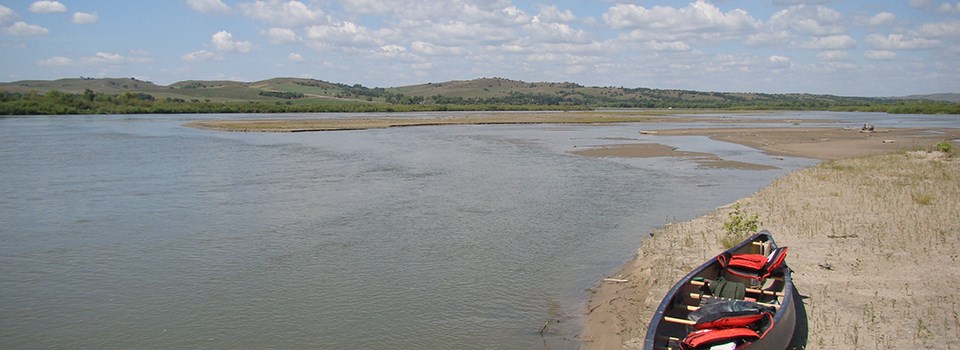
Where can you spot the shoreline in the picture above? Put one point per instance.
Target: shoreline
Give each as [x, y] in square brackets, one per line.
[846, 220]
[345, 124]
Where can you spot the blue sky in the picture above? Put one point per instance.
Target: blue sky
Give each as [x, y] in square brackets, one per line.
[840, 47]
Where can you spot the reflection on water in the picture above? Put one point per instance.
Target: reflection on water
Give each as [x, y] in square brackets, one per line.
[133, 232]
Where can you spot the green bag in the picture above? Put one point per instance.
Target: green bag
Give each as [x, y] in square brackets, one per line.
[728, 289]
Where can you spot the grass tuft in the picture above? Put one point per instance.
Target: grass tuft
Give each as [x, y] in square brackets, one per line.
[922, 199]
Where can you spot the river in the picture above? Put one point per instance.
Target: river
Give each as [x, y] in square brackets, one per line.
[124, 232]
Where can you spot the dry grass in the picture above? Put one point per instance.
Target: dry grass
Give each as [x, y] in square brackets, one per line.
[888, 227]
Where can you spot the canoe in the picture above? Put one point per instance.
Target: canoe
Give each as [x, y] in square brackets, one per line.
[772, 296]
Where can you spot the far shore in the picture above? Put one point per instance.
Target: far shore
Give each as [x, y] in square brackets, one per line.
[318, 124]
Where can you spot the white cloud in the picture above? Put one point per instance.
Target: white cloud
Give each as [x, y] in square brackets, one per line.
[465, 33]
[47, 7]
[882, 18]
[880, 55]
[208, 6]
[84, 18]
[921, 3]
[780, 62]
[553, 14]
[283, 13]
[833, 55]
[767, 38]
[281, 35]
[112, 58]
[55, 62]
[696, 18]
[295, 57]
[833, 42]
[105, 57]
[344, 35]
[431, 49]
[24, 29]
[940, 30]
[6, 14]
[223, 42]
[665, 46]
[499, 12]
[808, 20]
[202, 55]
[900, 42]
[393, 49]
[553, 32]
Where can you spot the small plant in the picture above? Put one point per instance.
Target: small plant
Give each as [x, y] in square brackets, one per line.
[739, 223]
[922, 199]
[944, 146]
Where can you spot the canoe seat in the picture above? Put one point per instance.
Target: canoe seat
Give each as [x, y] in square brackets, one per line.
[753, 266]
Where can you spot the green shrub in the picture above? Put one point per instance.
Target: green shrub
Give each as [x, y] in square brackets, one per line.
[738, 225]
[944, 146]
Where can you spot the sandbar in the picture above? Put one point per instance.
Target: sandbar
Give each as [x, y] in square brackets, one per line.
[653, 150]
[301, 124]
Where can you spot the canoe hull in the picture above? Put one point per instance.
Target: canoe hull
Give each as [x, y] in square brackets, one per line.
[684, 293]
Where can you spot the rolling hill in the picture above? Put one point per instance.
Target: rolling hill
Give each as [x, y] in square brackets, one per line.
[475, 92]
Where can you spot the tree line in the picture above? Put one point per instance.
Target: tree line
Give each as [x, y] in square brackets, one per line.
[90, 102]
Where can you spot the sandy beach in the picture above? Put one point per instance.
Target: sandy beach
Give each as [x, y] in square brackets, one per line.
[874, 232]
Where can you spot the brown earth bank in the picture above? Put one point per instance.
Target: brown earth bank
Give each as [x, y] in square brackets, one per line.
[873, 245]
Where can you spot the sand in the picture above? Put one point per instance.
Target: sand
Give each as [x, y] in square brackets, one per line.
[826, 143]
[873, 242]
[652, 150]
[360, 123]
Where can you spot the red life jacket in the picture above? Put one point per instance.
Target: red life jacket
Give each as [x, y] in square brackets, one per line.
[740, 327]
[705, 338]
[755, 266]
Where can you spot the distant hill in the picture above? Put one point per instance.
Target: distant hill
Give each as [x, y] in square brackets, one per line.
[214, 90]
[948, 97]
[482, 91]
[518, 92]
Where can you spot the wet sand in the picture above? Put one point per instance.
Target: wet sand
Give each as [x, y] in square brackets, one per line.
[874, 242]
[480, 118]
[825, 143]
[652, 150]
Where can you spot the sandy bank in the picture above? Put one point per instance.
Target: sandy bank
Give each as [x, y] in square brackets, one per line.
[325, 124]
[302, 125]
[825, 143]
[874, 245]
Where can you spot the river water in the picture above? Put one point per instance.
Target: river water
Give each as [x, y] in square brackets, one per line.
[123, 232]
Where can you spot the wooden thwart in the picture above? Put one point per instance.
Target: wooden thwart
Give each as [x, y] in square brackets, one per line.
[749, 290]
[704, 296]
[678, 320]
